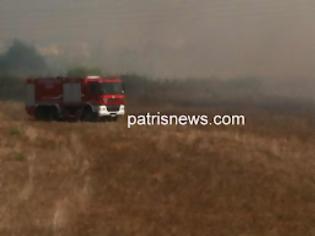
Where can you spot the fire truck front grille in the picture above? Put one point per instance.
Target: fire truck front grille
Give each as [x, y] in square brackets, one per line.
[113, 108]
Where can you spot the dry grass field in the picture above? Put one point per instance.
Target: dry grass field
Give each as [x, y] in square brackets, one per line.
[96, 179]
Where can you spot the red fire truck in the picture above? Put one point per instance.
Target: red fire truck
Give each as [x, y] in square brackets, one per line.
[89, 98]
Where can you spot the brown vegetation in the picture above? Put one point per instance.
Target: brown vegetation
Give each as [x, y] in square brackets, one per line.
[105, 179]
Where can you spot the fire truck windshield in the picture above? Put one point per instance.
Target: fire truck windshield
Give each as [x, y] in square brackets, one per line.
[107, 88]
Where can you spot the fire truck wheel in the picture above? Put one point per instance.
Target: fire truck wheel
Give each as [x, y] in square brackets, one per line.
[46, 113]
[53, 114]
[39, 114]
[88, 115]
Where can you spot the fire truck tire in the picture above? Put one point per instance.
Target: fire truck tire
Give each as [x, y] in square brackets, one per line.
[39, 113]
[46, 113]
[53, 114]
[88, 115]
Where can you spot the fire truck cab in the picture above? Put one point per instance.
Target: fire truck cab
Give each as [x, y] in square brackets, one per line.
[89, 98]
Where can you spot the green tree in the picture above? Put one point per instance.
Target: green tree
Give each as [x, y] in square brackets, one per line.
[22, 59]
[82, 71]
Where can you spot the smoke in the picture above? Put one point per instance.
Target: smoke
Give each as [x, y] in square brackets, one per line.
[272, 39]
[172, 38]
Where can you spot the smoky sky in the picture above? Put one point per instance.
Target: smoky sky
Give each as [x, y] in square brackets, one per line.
[225, 38]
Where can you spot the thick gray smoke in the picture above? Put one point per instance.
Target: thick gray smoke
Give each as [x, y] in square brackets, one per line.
[273, 38]
[171, 38]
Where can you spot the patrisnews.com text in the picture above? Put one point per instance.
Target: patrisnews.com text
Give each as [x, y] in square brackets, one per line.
[159, 119]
